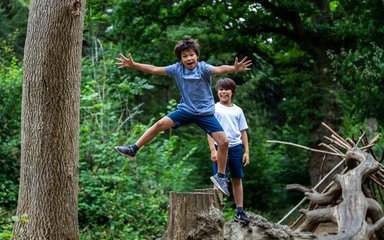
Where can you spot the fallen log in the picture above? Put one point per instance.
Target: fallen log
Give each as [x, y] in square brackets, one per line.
[347, 208]
[357, 216]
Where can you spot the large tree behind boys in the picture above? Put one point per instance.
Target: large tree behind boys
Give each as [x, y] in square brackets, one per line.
[50, 121]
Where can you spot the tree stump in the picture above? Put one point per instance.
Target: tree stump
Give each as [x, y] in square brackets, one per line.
[195, 215]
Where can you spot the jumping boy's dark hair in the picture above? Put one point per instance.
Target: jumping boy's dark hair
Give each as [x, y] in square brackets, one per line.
[226, 83]
[185, 44]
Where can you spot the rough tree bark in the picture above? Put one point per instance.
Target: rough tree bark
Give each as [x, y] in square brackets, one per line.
[195, 215]
[50, 121]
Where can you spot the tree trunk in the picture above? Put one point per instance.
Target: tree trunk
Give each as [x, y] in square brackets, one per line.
[329, 107]
[195, 215]
[50, 121]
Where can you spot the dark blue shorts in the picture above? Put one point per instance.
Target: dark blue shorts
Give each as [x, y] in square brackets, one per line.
[234, 162]
[207, 122]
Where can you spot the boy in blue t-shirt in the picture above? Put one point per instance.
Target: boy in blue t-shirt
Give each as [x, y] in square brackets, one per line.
[194, 79]
[232, 119]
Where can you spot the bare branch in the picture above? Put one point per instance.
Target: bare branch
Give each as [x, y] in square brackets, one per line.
[335, 134]
[307, 148]
[335, 142]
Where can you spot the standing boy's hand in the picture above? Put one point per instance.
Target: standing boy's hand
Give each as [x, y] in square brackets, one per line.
[243, 65]
[245, 159]
[125, 61]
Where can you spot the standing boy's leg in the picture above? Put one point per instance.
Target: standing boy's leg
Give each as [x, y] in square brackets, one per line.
[238, 195]
[235, 164]
[237, 188]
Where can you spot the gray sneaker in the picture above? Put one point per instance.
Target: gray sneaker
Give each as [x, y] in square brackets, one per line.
[126, 151]
[221, 184]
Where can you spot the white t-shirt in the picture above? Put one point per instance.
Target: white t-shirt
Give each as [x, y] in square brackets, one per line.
[232, 120]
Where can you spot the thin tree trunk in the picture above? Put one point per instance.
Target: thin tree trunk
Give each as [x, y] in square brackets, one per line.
[48, 194]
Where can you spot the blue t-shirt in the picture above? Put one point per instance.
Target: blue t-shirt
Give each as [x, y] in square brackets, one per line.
[195, 87]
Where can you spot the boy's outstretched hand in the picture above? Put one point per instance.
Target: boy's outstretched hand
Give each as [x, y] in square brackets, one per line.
[243, 65]
[124, 61]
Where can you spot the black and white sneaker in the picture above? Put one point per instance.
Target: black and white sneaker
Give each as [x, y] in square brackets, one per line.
[242, 217]
[126, 151]
[221, 184]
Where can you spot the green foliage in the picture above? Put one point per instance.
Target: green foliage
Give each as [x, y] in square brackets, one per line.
[13, 28]
[6, 225]
[360, 74]
[120, 198]
[10, 106]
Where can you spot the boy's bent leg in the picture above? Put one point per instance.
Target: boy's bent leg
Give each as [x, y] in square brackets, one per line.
[161, 125]
[222, 151]
[219, 179]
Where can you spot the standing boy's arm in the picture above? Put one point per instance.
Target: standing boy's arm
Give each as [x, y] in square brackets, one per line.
[244, 139]
[241, 66]
[128, 62]
[212, 147]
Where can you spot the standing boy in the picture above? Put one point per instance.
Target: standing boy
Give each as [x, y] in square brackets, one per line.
[194, 79]
[232, 119]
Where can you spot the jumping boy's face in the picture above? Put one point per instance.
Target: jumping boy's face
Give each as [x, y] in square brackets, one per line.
[225, 96]
[189, 58]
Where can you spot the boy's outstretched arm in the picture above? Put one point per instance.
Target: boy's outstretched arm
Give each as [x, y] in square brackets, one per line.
[243, 65]
[127, 62]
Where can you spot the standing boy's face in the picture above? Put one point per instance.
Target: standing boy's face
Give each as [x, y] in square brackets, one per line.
[189, 59]
[225, 96]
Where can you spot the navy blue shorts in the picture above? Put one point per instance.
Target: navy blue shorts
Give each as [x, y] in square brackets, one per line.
[207, 122]
[234, 162]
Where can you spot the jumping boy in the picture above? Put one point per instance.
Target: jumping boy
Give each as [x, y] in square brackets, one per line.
[232, 119]
[194, 80]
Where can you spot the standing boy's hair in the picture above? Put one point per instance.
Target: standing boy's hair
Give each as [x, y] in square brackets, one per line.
[185, 44]
[226, 83]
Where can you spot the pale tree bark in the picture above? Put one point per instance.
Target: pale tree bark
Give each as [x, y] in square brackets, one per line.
[195, 215]
[48, 194]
